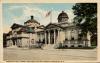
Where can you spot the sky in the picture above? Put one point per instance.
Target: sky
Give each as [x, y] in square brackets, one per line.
[21, 12]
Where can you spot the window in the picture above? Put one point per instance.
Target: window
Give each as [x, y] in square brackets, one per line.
[72, 38]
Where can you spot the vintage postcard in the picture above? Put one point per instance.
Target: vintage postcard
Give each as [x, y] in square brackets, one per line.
[52, 32]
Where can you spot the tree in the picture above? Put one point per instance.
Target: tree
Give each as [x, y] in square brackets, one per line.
[86, 17]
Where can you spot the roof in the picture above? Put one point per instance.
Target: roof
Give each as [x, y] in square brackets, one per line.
[9, 33]
[41, 27]
[32, 20]
[26, 29]
[63, 14]
[16, 26]
[54, 25]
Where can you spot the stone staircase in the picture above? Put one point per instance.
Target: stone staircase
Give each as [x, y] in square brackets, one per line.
[49, 46]
[13, 46]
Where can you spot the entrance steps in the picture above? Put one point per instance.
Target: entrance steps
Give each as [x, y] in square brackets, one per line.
[48, 46]
[13, 46]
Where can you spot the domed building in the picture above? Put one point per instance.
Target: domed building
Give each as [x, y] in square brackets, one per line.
[52, 35]
[63, 17]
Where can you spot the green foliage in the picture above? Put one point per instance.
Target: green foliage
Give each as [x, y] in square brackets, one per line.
[35, 47]
[59, 45]
[86, 18]
[77, 47]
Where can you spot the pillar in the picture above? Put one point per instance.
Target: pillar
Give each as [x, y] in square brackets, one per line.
[40, 37]
[89, 37]
[45, 38]
[84, 43]
[76, 43]
[58, 36]
[49, 36]
[89, 43]
[54, 37]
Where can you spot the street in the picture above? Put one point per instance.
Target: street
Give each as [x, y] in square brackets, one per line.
[56, 54]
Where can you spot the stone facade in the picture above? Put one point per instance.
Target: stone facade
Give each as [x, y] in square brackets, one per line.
[32, 33]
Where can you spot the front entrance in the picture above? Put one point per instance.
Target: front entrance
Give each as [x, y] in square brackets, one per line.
[51, 36]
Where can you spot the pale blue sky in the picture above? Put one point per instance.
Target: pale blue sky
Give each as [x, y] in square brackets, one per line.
[12, 11]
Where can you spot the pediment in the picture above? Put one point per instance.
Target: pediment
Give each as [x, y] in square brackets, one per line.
[51, 25]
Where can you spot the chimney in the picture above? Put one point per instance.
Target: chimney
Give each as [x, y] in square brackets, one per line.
[32, 17]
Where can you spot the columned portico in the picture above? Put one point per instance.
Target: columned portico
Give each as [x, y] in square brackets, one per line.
[51, 36]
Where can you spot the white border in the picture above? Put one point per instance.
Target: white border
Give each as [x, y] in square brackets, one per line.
[50, 1]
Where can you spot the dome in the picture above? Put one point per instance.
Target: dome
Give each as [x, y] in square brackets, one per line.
[32, 20]
[62, 17]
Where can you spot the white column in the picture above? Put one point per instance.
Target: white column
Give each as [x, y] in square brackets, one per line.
[15, 42]
[54, 37]
[69, 34]
[49, 36]
[35, 37]
[89, 43]
[88, 37]
[40, 37]
[76, 43]
[45, 38]
[84, 43]
[58, 36]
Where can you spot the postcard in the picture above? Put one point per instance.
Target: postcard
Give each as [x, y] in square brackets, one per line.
[55, 32]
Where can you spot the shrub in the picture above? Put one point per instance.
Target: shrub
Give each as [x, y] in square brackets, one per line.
[35, 46]
[58, 46]
[72, 45]
[65, 46]
[79, 45]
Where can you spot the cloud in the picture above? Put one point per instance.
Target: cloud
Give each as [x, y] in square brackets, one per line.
[70, 15]
[39, 15]
[6, 28]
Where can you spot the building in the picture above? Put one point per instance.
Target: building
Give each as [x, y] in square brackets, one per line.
[32, 33]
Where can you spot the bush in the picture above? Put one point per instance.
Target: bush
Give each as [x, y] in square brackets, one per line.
[79, 45]
[65, 46]
[94, 43]
[72, 45]
[34, 46]
[58, 46]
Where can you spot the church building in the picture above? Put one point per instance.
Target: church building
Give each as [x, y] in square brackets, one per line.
[32, 33]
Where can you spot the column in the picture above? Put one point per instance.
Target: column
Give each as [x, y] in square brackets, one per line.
[58, 36]
[89, 38]
[54, 37]
[35, 37]
[76, 43]
[69, 37]
[45, 38]
[49, 36]
[40, 38]
[84, 43]
[89, 43]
